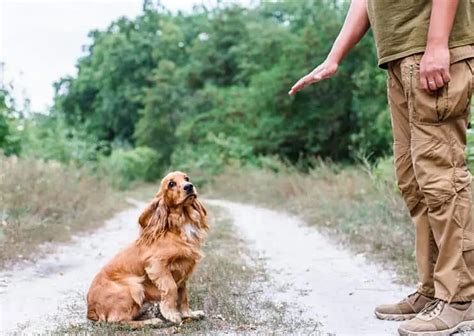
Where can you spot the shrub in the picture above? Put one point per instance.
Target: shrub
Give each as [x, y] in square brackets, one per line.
[9, 141]
[49, 138]
[124, 166]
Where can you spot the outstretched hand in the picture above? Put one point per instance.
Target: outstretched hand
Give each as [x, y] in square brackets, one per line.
[325, 70]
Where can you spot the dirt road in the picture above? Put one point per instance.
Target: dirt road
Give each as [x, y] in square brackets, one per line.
[318, 280]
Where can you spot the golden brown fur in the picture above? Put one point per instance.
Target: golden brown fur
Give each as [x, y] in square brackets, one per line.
[157, 265]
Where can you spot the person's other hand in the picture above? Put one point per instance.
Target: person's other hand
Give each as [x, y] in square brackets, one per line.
[325, 70]
[434, 68]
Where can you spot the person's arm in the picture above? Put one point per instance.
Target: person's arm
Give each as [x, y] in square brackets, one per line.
[434, 65]
[354, 28]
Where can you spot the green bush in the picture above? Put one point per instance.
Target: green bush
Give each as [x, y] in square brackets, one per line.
[50, 138]
[211, 156]
[9, 140]
[125, 166]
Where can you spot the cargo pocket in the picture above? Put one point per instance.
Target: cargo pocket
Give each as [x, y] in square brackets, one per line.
[433, 167]
[454, 99]
[450, 102]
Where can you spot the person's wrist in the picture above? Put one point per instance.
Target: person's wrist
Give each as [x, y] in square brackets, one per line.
[333, 60]
[436, 45]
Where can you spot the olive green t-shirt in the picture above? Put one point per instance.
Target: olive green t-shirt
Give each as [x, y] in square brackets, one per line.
[400, 27]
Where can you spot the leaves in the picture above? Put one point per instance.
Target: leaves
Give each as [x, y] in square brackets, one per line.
[188, 83]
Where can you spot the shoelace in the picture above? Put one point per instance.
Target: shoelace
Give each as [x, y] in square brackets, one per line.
[408, 298]
[430, 310]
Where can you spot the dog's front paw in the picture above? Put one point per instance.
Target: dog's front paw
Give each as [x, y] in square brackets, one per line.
[194, 315]
[170, 314]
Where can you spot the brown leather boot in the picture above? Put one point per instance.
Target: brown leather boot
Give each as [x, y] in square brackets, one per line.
[403, 310]
[440, 318]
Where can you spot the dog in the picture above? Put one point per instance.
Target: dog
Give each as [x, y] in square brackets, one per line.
[157, 265]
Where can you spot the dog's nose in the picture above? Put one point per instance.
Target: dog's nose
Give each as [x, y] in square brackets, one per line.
[188, 187]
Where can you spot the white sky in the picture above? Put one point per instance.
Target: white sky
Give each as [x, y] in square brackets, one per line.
[40, 40]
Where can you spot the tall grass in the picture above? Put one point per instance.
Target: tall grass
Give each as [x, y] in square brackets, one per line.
[45, 202]
[357, 204]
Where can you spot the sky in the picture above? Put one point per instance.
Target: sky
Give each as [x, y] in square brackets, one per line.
[41, 40]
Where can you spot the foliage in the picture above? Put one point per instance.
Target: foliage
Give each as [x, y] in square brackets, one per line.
[9, 137]
[125, 166]
[206, 89]
[209, 87]
[50, 138]
[160, 115]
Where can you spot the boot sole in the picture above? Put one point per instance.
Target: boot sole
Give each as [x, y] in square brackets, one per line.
[394, 317]
[463, 326]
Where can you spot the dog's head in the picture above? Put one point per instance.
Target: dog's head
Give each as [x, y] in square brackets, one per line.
[177, 196]
[177, 190]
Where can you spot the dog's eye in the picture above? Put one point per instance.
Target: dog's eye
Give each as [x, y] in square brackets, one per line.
[186, 179]
[171, 184]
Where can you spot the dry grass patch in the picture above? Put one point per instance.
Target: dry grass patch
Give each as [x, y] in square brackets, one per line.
[46, 202]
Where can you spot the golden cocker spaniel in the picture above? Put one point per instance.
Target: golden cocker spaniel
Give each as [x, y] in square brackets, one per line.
[156, 266]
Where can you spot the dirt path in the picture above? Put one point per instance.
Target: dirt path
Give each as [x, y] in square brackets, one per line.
[46, 294]
[318, 280]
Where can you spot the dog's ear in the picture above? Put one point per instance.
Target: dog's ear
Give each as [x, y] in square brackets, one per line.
[202, 221]
[149, 210]
[154, 220]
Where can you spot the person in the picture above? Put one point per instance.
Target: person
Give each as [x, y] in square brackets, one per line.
[427, 46]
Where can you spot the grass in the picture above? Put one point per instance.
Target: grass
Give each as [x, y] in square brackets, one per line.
[357, 205]
[44, 202]
[230, 285]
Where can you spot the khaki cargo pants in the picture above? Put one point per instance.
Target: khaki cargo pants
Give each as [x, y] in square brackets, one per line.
[429, 140]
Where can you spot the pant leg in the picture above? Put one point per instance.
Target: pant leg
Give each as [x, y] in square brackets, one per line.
[438, 126]
[426, 249]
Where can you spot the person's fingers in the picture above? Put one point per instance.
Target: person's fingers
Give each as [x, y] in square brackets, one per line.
[431, 84]
[296, 87]
[423, 81]
[299, 85]
[446, 76]
[427, 81]
[318, 74]
[438, 80]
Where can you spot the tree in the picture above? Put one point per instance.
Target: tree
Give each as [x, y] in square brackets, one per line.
[212, 83]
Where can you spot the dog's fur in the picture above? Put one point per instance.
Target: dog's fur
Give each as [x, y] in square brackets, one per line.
[157, 265]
